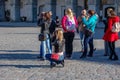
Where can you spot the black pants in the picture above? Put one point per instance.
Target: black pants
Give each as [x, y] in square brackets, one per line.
[69, 36]
[112, 50]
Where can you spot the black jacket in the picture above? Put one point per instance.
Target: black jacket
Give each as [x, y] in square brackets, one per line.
[49, 29]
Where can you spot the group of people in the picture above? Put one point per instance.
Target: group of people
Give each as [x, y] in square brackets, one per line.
[54, 41]
[84, 25]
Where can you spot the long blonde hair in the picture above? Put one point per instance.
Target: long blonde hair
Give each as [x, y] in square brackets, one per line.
[59, 35]
[69, 13]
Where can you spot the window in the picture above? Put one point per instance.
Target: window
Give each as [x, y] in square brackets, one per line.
[62, 11]
[108, 1]
[41, 8]
[104, 1]
[91, 2]
[68, 2]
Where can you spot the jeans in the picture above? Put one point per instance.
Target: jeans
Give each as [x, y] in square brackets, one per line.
[88, 40]
[44, 46]
[81, 39]
[48, 57]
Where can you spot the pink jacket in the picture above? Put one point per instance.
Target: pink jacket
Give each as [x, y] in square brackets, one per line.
[64, 23]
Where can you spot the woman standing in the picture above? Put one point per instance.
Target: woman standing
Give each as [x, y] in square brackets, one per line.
[81, 27]
[106, 46]
[47, 28]
[90, 24]
[69, 25]
[110, 36]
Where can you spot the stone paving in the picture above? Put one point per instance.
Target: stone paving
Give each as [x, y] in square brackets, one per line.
[19, 48]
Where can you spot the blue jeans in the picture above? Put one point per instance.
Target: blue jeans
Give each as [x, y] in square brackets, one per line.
[81, 39]
[48, 57]
[88, 40]
[44, 46]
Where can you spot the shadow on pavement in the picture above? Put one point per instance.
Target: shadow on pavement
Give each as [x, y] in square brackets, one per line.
[98, 57]
[17, 51]
[23, 33]
[26, 66]
[18, 56]
[26, 55]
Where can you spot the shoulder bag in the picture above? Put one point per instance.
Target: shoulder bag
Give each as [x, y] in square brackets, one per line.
[116, 27]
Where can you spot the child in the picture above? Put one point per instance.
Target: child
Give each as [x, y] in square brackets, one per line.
[58, 49]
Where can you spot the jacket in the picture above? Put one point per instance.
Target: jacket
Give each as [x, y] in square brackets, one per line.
[109, 35]
[91, 22]
[49, 29]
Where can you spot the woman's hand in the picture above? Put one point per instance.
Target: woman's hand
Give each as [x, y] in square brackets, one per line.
[82, 16]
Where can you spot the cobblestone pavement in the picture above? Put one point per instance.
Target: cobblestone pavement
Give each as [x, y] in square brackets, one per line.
[19, 48]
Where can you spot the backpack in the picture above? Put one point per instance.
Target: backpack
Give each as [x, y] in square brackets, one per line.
[116, 27]
[70, 24]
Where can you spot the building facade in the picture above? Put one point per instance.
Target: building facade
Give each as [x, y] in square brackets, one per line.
[28, 10]
[18, 10]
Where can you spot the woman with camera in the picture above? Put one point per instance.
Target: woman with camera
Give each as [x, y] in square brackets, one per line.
[47, 29]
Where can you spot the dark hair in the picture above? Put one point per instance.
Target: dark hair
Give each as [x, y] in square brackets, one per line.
[91, 12]
[57, 17]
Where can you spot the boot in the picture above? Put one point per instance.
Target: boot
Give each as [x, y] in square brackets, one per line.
[62, 63]
[52, 65]
[115, 58]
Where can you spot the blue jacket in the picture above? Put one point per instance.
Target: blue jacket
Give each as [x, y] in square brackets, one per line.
[91, 22]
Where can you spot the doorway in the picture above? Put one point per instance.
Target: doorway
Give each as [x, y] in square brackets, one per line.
[2, 10]
[34, 10]
[62, 11]
[17, 10]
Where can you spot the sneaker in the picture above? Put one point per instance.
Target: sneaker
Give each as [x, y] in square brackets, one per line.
[39, 56]
[68, 56]
[62, 63]
[42, 59]
[115, 58]
[52, 65]
[110, 58]
[94, 49]
[90, 55]
[82, 56]
[106, 55]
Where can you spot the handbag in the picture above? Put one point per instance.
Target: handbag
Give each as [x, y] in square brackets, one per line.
[116, 27]
[88, 32]
[42, 37]
[55, 56]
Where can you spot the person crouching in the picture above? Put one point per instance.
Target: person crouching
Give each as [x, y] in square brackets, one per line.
[57, 57]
